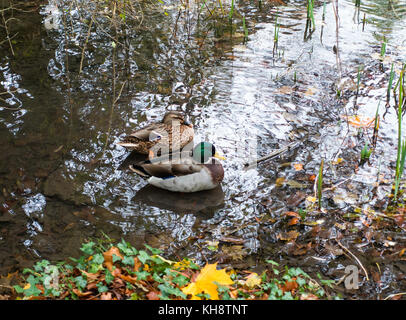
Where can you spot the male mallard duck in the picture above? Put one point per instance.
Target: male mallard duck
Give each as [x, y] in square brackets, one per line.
[172, 134]
[182, 172]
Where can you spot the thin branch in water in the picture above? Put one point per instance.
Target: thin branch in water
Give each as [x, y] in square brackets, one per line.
[356, 259]
[335, 9]
[84, 45]
[7, 32]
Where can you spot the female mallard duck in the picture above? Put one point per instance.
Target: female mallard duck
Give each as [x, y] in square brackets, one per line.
[172, 134]
[184, 173]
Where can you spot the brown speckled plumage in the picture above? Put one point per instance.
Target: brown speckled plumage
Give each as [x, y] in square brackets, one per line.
[172, 134]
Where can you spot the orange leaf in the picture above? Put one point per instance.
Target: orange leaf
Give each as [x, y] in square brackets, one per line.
[298, 166]
[290, 286]
[128, 278]
[359, 121]
[292, 214]
[82, 294]
[293, 221]
[152, 295]
[137, 264]
[108, 257]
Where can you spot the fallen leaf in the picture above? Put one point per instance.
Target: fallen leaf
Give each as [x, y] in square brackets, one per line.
[205, 282]
[293, 221]
[152, 295]
[290, 286]
[82, 294]
[106, 296]
[284, 90]
[288, 236]
[108, 257]
[310, 91]
[295, 199]
[279, 181]
[302, 249]
[137, 264]
[298, 166]
[292, 214]
[308, 296]
[311, 199]
[253, 280]
[358, 121]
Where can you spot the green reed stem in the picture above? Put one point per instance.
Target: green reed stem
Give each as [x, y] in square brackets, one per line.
[391, 75]
[245, 28]
[401, 154]
[230, 15]
[320, 182]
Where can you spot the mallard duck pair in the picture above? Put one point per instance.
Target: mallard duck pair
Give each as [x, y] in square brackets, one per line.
[176, 170]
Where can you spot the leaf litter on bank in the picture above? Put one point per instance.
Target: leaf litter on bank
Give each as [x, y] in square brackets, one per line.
[123, 272]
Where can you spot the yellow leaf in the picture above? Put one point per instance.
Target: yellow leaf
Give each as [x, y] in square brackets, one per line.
[205, 282]
[253, 280]
[311, 199]
[279, 181]
[339, 160]
[182, 265]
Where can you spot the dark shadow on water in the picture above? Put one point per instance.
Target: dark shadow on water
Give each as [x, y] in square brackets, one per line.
[205, 203]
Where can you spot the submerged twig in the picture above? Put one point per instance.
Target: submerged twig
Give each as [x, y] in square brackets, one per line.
[394, 295]
[272, 154]
[353, 255]
[84, 45]
[7, 32]
[335, 9]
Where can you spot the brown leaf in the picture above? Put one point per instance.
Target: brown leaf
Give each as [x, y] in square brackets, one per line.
[137, 264]
[288, 236]
[152, 295]
[296, 199]
[82, 294]
[290, 285]
[106, 296]
[108, 257]
[129, 279]
[91, 276]
[285, 90]
[302, 249]
[91, 286]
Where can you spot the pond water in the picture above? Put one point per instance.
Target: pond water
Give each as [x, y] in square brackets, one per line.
[73, 82]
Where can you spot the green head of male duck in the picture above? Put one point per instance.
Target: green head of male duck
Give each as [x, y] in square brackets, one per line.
[185, 174]
[203, 151]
